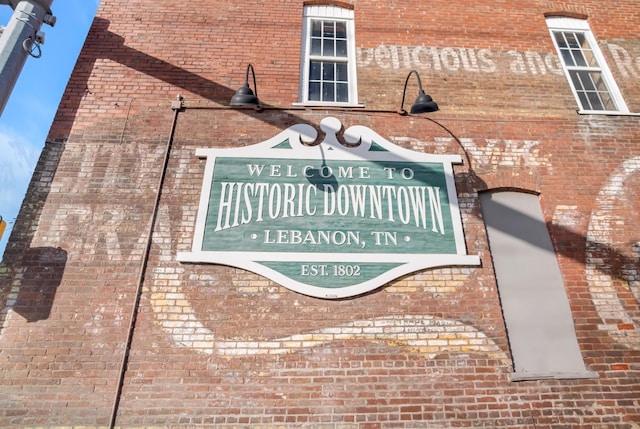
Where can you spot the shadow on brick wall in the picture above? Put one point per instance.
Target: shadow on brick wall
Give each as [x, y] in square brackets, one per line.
[30, 276]
[42, 270]
[104, 44]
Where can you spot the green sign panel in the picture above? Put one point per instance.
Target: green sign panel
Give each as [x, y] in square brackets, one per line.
[330, 219]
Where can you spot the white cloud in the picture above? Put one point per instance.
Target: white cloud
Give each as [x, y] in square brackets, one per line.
[17, 161]
[18, 158]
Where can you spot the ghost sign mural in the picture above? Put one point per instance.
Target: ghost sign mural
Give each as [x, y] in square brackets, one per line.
[330, 220]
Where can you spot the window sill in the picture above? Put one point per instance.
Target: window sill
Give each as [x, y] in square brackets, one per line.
[524, 376]
[606, 113]
[321, 104]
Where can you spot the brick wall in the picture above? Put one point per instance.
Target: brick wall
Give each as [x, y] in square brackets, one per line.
[223, 347]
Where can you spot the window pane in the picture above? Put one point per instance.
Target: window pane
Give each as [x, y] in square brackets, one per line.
[316, 46]
[329, 29]
[342, 90]
[575, 78]
[598, 82]
[327, 71]
[328, 92]
[572, 41]
[341, 48]
[595, 101]
[316, 28]
[579, 58]
[328, 49]
[581, 40]
[341, 30]
[314, 91]
[585, 81]
[314, 70]
[567, 57]
[607, 101]
[590, 59]
[342, 74]
[560, 40]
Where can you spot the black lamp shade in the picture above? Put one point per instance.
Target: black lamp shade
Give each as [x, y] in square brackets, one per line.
[424, 104]
[244, 97]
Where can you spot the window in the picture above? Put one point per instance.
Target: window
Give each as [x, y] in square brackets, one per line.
[328, 73]
[590, 78]
[534, 302]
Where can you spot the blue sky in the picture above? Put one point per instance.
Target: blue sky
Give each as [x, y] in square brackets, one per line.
[26, 120]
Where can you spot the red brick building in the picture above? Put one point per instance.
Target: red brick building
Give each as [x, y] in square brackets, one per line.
[111, 318]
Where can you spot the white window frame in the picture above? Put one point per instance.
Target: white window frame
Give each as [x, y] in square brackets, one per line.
[332, 13]
[564, 24]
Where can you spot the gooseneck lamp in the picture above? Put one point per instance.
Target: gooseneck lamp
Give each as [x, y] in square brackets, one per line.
[423, 104]
[245, 96]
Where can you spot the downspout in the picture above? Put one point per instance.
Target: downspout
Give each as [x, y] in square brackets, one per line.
[176, 106]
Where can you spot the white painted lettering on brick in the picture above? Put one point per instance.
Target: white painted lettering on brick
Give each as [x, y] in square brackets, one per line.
[627, 65]
[615, 197]
[470, 60]
[493, 152]
[452, 59]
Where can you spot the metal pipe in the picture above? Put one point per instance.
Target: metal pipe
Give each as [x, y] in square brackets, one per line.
[177, 106]
[18, 40]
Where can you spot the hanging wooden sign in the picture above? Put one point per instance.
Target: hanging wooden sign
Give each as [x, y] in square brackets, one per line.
[329, 220]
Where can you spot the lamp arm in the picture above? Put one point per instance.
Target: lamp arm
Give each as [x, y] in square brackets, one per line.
[404, 92]
[246, 79]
